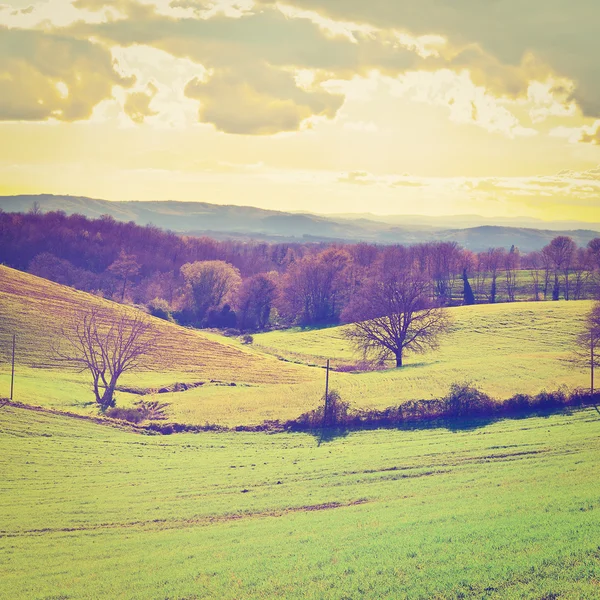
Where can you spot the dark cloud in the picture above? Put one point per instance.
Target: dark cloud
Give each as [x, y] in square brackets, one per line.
[562, 36]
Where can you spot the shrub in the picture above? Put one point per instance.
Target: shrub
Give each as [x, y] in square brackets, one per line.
[231, 332]
[361, 365]
[160, 308]
[133, 415]
[335, 416]
[518, 403]
[466, 400]
[152, 410]
[221, 318]
[247, 339]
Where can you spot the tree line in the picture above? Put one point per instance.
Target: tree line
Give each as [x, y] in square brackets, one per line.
[251, 286]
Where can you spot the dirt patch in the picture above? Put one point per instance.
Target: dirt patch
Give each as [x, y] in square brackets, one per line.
[175, 387]
[182, 523]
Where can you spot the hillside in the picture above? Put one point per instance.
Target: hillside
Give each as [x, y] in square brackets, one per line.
[503, 349]
[247, 222]
[96, 512]
[36, 310]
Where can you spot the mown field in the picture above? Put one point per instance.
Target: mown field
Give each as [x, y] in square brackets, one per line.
[500, 510]
[502, 349]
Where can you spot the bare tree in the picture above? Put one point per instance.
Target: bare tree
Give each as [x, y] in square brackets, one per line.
[125, 267]
[587, 351]
[107, 350]
[511, 267]
[560, 253]
[393, 315]
[534, 260]
[494, 260]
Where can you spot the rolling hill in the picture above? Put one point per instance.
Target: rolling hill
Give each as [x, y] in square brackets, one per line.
[246, 222]
[37, 310]
[503, 349]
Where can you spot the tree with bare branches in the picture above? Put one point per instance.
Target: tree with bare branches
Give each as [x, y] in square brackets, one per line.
[394, 314]
[107, 349]
[587, 351]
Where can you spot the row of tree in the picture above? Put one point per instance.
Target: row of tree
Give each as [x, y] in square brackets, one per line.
[248, 285]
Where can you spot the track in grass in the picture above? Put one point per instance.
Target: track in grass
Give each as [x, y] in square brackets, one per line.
[507, 510]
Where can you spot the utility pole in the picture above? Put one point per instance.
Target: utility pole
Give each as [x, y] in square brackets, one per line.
[326, 410]
[12, 375]
[592, 360]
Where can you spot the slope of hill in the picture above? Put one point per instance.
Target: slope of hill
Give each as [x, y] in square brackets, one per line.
[245, 222]
[36, 310]
[503, 349]
[96, 512]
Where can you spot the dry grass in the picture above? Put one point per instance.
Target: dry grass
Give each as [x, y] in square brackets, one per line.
[36, 310]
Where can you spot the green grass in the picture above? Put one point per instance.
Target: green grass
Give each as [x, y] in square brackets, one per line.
[502, 349]
[504, 510]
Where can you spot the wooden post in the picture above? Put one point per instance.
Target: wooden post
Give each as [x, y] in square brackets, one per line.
[326, 409]
[12, 375]
[592, 360]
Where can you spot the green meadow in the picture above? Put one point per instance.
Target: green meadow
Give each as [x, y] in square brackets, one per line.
[485, 510]
[503, 349]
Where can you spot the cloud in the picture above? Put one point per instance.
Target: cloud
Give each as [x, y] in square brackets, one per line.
[137, 104]
[591, 135]
[466, 102]
[258, 100]
[46, 76]
[357, 178]
[389, 180]
[499, 41]
[591, 174]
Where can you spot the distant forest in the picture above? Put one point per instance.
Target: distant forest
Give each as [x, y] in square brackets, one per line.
[251, 286]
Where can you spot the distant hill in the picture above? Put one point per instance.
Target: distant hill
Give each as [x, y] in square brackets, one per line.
[246, 222]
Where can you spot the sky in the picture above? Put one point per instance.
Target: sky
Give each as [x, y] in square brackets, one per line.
[436, 107]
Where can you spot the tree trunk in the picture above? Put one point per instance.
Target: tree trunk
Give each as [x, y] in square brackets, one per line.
[109, 393]
[399, 358]
[556, 289]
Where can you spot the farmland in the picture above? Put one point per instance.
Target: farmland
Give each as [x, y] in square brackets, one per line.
[502, 349]
[501, 510]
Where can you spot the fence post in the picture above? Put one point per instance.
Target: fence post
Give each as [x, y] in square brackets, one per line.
[12, 374]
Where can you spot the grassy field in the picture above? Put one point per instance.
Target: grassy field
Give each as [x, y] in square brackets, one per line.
[503, 510]
[502, 349]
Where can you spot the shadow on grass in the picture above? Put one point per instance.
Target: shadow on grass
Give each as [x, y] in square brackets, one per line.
[455, 425]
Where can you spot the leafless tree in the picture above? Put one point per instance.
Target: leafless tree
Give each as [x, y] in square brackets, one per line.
[494, 260]
[587, 351]
[107, 349]
[394, 314]
[125, 268]
[560, 253]
[511, 267]
[534, 260]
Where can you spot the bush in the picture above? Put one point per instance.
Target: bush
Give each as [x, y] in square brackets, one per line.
[466, 400]
[160, 308]
[185, 317]
[360, 366]
[223, 318]
[133, 415]
[335, 416]
[247, 339]
[152, 410]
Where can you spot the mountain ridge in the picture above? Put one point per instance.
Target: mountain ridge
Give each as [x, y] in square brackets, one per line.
[252, 223]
